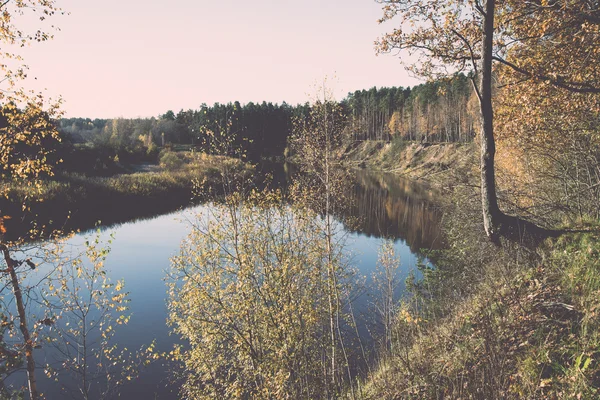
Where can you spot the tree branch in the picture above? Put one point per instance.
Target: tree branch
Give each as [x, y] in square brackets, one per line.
[576, 87]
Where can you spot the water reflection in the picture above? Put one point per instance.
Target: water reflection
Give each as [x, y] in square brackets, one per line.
[382, 206]
[379, 205]
[393, 207]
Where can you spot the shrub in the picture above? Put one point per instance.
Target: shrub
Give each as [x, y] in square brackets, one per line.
[249, 293]
[170, 160]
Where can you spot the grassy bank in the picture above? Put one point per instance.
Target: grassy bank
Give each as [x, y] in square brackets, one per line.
[488, 322]
[75, 201]
[499, 326]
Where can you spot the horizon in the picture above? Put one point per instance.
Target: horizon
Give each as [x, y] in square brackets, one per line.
[149, 58]
[243, 104]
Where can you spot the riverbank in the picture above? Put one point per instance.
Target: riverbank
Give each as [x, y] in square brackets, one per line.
[432, 162]
[487, 322]
[71, 201]
[495, 326]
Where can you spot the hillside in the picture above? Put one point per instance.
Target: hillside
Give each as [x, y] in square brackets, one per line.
[436, 163]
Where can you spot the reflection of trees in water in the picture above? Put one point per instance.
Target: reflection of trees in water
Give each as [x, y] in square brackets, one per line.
[375, 204]
[389, 206]
[385, 205]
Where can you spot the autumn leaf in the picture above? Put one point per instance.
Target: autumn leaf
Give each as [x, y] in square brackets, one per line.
[2, 226]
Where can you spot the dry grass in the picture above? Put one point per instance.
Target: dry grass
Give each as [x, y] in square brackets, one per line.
[430, 162]
[495, 324]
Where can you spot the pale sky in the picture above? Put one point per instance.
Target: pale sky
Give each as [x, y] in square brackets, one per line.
[134, 58]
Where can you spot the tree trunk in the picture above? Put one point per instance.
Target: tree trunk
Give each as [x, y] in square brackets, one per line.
[489, 200]
[10, 269]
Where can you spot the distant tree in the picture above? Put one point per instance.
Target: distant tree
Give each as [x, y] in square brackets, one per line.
[169, 116]
[395, 124]
[170, 160]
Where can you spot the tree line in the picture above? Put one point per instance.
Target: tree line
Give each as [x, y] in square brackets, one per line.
[440, 110]
[259, 130]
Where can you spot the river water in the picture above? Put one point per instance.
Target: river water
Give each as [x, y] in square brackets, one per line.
[385, 206]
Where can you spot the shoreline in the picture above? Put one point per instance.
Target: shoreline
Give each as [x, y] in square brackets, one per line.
[73, 202]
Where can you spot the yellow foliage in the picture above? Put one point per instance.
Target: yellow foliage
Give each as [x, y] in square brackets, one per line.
[249, 293]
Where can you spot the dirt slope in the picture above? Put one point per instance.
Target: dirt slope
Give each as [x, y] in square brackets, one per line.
[434, 162]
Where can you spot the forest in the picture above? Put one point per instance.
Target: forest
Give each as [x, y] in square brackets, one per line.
[424, 242]
[437, 111]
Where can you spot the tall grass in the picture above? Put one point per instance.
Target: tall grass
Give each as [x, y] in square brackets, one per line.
[499, 323]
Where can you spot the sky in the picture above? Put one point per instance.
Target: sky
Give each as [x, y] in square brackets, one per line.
[140, 58]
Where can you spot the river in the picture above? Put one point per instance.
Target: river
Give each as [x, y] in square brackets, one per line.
[384, 206]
